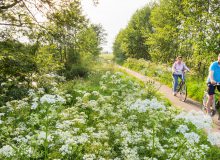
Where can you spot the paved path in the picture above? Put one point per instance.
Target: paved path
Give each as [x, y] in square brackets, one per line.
[188, 105]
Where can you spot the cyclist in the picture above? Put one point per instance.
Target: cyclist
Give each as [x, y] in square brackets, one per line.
[178, 70]
[213, 78]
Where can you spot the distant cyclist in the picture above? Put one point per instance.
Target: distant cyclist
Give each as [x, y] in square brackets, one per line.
[178, 70]
[213, 78]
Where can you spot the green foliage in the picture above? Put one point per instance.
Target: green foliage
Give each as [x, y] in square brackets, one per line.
[77, 71]
[67, 43]
[47, 59]
[163, 42]
[172, 27]
[118, 47]
[196, 88]
[89, 41]
[130, 42]
[78, 40]
[138, 30]
[17, 65]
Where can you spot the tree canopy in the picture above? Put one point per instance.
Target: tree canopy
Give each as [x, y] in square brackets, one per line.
[174, 27]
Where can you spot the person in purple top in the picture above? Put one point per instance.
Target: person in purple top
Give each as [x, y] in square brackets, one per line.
[178, 70]
[213, 78]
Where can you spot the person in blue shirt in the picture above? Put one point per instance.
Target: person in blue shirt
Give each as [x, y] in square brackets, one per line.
[213, 78]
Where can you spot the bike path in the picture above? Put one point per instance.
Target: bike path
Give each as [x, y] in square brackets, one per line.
[187, 106]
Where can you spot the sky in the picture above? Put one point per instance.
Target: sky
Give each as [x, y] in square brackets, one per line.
[113, 15]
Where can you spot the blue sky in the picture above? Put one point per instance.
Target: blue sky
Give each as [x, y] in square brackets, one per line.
[112, 15]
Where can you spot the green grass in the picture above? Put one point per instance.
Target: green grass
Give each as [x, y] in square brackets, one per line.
[107, 56]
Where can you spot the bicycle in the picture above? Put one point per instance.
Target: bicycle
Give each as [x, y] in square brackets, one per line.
[215, 106]
[182, 89]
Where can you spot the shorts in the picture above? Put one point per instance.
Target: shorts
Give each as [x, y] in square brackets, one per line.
[211, 88]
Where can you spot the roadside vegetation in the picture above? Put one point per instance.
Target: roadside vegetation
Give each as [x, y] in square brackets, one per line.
[163, 73]
[107, 115]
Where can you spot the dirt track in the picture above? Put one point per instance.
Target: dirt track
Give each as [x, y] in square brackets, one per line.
[188, 105]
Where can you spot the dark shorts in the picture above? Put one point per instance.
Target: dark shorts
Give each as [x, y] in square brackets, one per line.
[211, 88]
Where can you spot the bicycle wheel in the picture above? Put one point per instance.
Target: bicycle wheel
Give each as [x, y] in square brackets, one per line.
[183, 92]
[217, 107]
[204, 101]
[212, 107]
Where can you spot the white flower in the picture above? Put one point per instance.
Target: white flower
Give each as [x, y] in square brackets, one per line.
[34, 105]
[51, 99]
[192, 137]
[65, 149]
[31, 92]
[103, 87]
[204, 147]
[2, 114]
[3, 84]
[54, 89]
[142, 106]
[214, 138]
[92, 103]
[182, 129]
[68, 95]
[35, 99]
[83, 138]
[7, 151]
[34, 84]
[42, 136]
[130, 153]
[29, 151]
[41, 90]
[199, 119]
[48, 98]
[89, 157]
[86, 95]
[96, 93]
[21, 139]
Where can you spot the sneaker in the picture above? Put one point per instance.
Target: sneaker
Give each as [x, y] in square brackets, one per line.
[174, 93]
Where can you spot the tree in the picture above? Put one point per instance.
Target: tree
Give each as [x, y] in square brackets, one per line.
[131, 42]
[164, 40]
[200, 32]
[16, 67]
[138, 31]
[90, 39]
[119, 49]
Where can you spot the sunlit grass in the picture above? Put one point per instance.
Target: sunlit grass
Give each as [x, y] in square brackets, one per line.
[107, 56]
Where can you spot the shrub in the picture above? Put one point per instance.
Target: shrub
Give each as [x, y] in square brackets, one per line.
[77, 71]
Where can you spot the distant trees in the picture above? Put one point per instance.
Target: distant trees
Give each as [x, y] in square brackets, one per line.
[119, 50]
[131, 41]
